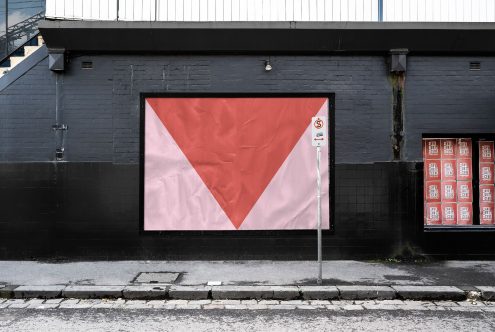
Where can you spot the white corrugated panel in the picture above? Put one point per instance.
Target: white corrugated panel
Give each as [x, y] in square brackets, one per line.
[274, 10]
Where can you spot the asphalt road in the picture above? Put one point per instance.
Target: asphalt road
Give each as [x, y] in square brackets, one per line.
[242, 320]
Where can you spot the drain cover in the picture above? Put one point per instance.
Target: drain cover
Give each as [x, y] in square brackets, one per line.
[156, 277]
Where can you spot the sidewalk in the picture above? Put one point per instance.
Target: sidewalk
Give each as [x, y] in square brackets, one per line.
[450, 280]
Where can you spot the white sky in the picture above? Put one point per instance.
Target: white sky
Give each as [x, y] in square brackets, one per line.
[275, 10]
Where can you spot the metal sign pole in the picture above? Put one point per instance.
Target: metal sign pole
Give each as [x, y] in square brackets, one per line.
[318, 139]
[318, 213]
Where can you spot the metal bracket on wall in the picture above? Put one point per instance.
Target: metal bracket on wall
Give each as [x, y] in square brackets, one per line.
[60, 127]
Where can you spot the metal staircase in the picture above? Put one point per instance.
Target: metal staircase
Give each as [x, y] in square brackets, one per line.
[11, 50]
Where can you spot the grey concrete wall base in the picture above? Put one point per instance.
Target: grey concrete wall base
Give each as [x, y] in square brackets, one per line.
[189, 292]
[241, 292]
[487, 292]
[319, 292]
[429, 292]
[44, 292]
[92, 292]
[366, 292]
[145, 292]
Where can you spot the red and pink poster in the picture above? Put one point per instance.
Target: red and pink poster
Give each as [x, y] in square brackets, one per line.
[487, 194]
[487, 175]
[464, 213]
[433, 213]
[487, 214]
[232, 164]
[448, 168]
[486, 152]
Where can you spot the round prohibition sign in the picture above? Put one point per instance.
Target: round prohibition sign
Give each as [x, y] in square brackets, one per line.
[318, 123]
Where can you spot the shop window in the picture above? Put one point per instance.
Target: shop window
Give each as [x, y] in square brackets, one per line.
[459, 173]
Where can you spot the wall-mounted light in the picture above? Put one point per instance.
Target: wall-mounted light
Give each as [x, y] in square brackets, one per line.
[268, 66]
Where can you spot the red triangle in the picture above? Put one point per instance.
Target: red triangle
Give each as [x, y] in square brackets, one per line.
[236, 145]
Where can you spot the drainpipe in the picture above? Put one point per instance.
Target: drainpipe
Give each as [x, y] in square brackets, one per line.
[398, 66]
[56, 63]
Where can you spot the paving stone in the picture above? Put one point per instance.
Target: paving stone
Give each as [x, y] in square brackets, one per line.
[137, 304]
[319, 302]
[366, 292]
[105, 305]
[342, 302]
[430, 293]
[488, 309]
[91, 292]
[269, 302]
[319, 292]
[293, 302]
[236, 306]
[249, 301]
[70, 301]
[226, 301]
[200, 302]
[164, 306]
[48, 306]
[34, 303]
[157, 302]
[398, 302]
[306, 307]
[175, 302]
[487, 292]
[241, 292]
[18, 306]
[145, 292]
[282, 307]
[44, 292]
[285, 292]
[187, 306]
[213, 306]
[189, 292]
[53, 301]
[369, 302]
[256, 306]
[333, 307]
[471, 304]
[467, 309]
[352, 307]
[379, 306]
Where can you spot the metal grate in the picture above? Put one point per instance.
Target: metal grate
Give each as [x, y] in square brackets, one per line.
[475, 65]
[156, 277]
[87, 65]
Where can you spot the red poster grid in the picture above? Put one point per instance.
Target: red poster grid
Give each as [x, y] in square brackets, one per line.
[487, 181]
[487, 194]
[464, 213]
[486, 152]
[452, 164]
[487, 173]
[487, 214]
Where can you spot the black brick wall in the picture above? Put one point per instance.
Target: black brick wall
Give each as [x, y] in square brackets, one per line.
[87, 207]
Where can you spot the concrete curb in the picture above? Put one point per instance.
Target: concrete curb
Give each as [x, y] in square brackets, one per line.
[430, 293]
[142, 292]
[487, 292]
[43, 292]
[93, 292]
[227, 292]
[366, 292]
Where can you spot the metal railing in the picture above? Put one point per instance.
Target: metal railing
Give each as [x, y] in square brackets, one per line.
[274, 10]
[18, 24]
